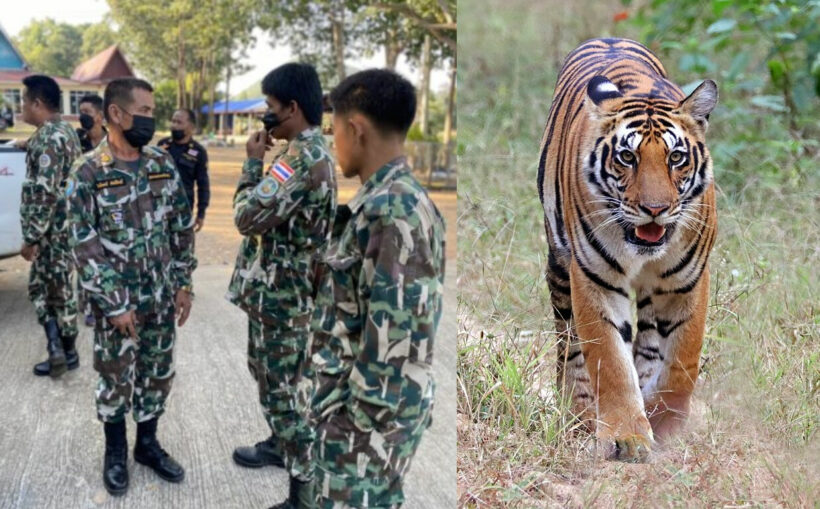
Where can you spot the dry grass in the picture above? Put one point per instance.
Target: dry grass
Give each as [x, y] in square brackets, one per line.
[752, 438]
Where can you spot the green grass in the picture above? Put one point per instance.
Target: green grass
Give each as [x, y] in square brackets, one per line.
[752, 438]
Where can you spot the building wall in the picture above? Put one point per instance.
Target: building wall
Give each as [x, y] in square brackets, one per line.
[70, 99]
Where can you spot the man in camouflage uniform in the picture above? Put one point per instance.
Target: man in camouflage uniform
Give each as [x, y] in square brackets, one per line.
[379, 306]
[49, 154]
[285, 214]
[133, 240]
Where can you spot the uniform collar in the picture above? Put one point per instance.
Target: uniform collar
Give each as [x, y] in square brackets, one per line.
[383, 175]
[310, 132]
[104, 157]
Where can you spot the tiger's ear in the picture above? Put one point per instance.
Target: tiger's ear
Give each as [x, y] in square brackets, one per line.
[600, 92]
[701, 102]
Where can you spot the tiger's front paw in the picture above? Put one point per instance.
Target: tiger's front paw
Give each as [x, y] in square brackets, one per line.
[631, 449]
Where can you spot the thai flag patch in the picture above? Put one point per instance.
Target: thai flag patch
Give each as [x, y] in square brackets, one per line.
[281, 171]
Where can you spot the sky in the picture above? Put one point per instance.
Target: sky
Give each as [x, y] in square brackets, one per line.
[262, 56]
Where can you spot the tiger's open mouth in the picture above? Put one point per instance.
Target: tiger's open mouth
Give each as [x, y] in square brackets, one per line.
[648, 235]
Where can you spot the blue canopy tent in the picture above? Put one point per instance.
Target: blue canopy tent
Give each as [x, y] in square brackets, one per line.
[237, 117]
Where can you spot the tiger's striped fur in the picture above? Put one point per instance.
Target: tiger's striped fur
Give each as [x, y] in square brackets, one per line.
[624, 160]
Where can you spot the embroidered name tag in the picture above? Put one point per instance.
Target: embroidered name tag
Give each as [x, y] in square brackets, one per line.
[112, 182]
[160, 176]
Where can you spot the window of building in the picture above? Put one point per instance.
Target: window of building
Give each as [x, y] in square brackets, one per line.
[75, 96]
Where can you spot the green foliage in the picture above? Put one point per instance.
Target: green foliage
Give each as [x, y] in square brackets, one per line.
[97, 37]
[58, 48]
[50, 47]
[165, 94]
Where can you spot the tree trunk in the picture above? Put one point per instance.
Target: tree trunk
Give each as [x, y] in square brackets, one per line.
[392, 49]
[424, 91]
[212, 98]
[338, 39]
[227, 97]
[180, 71]
[448, 119]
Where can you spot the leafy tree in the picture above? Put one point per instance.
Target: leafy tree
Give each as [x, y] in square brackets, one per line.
[192, 42]
[50, 47]
[323, 33]
[97, 37]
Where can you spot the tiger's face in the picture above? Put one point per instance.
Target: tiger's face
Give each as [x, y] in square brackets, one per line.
[649, 162]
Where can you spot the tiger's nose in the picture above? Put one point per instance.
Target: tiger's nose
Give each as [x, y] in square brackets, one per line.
[654, 209]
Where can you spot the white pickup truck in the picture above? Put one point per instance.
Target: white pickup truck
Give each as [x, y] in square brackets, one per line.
[12, 173]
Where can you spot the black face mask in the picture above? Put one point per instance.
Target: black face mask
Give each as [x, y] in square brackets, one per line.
[141, 132]
[177, 134]
[272, 120]
[86, 121]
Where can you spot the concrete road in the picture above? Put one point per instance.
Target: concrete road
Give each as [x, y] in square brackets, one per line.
[51, 444]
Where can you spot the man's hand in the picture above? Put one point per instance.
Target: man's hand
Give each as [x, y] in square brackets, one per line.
[29, 251]
[21, 144]
[257, 144]
[126, 323]
[182, 304]
[198, 223]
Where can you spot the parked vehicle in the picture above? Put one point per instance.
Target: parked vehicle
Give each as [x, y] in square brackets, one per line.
[12, 173]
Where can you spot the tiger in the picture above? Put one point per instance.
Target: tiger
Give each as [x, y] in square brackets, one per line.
[628, 194]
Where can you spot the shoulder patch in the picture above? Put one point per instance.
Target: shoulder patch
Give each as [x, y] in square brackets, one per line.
[281, 171]
[44, 161]
[266, 189]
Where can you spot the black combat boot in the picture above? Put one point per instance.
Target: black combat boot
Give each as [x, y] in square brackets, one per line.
[56, 354]
[71, 357]
[148, 452]
[115, 468]
[259, 455]
[301, 496]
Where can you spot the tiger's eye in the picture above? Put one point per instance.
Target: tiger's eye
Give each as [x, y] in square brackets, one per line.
[676, 157]
[626, 156]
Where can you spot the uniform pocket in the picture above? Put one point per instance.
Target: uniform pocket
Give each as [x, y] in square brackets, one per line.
[114, 208]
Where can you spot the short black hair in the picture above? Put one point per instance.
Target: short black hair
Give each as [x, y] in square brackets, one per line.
[296, 82]
[383, 96]
[189, 112]
[119, 92]
[44, 88]
[93, 100]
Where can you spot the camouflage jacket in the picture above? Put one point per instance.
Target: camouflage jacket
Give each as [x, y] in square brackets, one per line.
[380, 303]
[51, 151]
[285, 214]
[132, 234]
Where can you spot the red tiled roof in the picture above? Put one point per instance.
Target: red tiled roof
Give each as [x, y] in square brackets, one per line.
[103, 67]
[17, 76]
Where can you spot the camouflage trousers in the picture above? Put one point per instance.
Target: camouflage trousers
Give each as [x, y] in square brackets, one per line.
[51, 289]
[364, 469]
[140, 370]
[276, 359]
